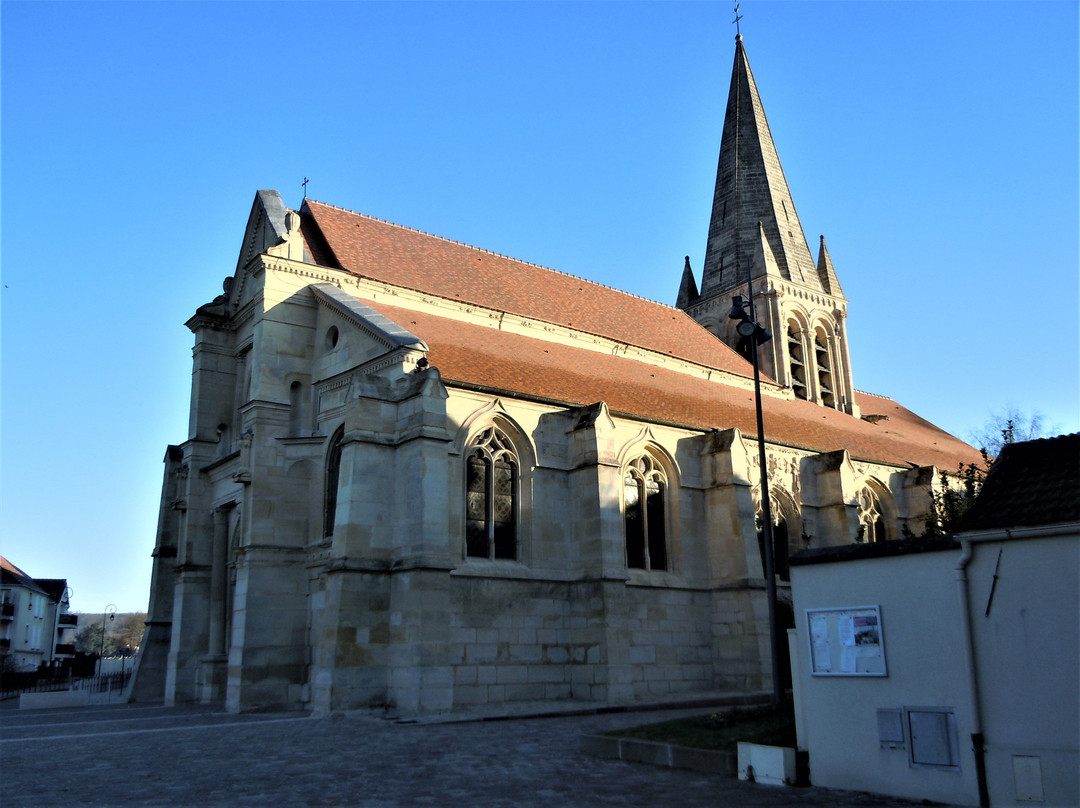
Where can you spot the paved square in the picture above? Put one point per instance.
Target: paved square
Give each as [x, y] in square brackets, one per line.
[196, 756]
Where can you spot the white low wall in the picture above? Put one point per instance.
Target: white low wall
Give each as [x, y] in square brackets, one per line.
[56, 698]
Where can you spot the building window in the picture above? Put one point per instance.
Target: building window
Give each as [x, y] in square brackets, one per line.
[491, 496]
[797, 360]
[296, 391]
[826, 384]
[780, 545]
[333, 474]
[871, 518]
[645, 515]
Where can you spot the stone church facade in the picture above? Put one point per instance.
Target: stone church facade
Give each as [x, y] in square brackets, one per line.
[427, 477]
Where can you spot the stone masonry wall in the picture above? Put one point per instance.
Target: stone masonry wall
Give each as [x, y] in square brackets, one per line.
[516, 640]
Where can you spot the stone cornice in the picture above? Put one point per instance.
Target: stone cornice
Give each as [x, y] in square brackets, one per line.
[374, 366]
[768, 286]
[214, 322]
[303, 440]
[210, 467]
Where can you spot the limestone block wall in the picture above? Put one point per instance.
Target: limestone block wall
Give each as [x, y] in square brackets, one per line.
[660, 643]
[418, 674]
[267, 665]
[349, 639]
[739, 625]
[521, 640]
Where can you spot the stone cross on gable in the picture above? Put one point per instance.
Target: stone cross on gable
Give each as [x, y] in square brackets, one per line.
[304, 184]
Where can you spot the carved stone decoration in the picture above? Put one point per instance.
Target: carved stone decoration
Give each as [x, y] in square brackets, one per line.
[180, 503]
[243, 476]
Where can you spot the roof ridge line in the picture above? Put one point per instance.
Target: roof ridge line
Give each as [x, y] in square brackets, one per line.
[492, 252]
[875, 395]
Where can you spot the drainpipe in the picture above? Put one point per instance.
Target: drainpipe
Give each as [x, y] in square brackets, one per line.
[973, 684]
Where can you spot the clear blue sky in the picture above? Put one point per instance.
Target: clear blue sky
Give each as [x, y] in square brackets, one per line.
[934, 144]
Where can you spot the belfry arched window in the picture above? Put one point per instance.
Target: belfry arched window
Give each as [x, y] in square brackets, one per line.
[823, 359]
[333, 474]
[645, 515]
[872, 525]
[491, 496]
[797, 360]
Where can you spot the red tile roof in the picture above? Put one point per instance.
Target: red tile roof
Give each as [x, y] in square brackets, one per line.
[471, 354]
[414, 260]
[501, 361]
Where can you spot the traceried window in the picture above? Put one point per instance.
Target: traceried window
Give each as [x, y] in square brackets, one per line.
[871, 518]
[333, 473]
[491, 496]
[645, 515]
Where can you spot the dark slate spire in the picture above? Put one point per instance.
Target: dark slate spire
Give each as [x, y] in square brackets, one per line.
[688, 292]
[751, 188]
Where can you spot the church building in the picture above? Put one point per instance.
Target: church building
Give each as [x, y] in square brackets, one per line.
[425, 477]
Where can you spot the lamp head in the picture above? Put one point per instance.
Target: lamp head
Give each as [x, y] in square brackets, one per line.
[737, 311]
[746, 328]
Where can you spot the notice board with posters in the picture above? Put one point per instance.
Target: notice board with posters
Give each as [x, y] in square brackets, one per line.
[846, 642]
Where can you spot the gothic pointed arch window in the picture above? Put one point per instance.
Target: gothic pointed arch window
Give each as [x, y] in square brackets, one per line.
[491, 496]
[333, 475]
[645, 493]
[786, 524]
[872, 522]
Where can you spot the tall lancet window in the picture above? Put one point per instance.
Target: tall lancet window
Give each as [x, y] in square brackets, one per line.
[780, 542]
[826, 384]
[333, 474]
[797, 360]
[645, 515]
[491, 498]
[871, 517]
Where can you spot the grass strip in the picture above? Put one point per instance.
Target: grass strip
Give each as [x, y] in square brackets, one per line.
[722, 730]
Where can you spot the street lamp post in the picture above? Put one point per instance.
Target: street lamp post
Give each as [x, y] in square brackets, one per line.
[111, 615]
[751, 330]
[65, 602]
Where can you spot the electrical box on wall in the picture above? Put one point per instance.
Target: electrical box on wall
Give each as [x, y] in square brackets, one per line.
[1027, 773]
[933, 737]
[890, 725]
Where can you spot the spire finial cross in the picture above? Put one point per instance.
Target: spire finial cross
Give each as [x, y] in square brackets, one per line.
[304, 184]
[735, 21]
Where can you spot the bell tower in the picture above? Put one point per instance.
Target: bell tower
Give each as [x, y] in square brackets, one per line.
[755, 229]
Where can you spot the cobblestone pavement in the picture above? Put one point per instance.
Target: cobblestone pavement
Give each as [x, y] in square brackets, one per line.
[197, 756]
